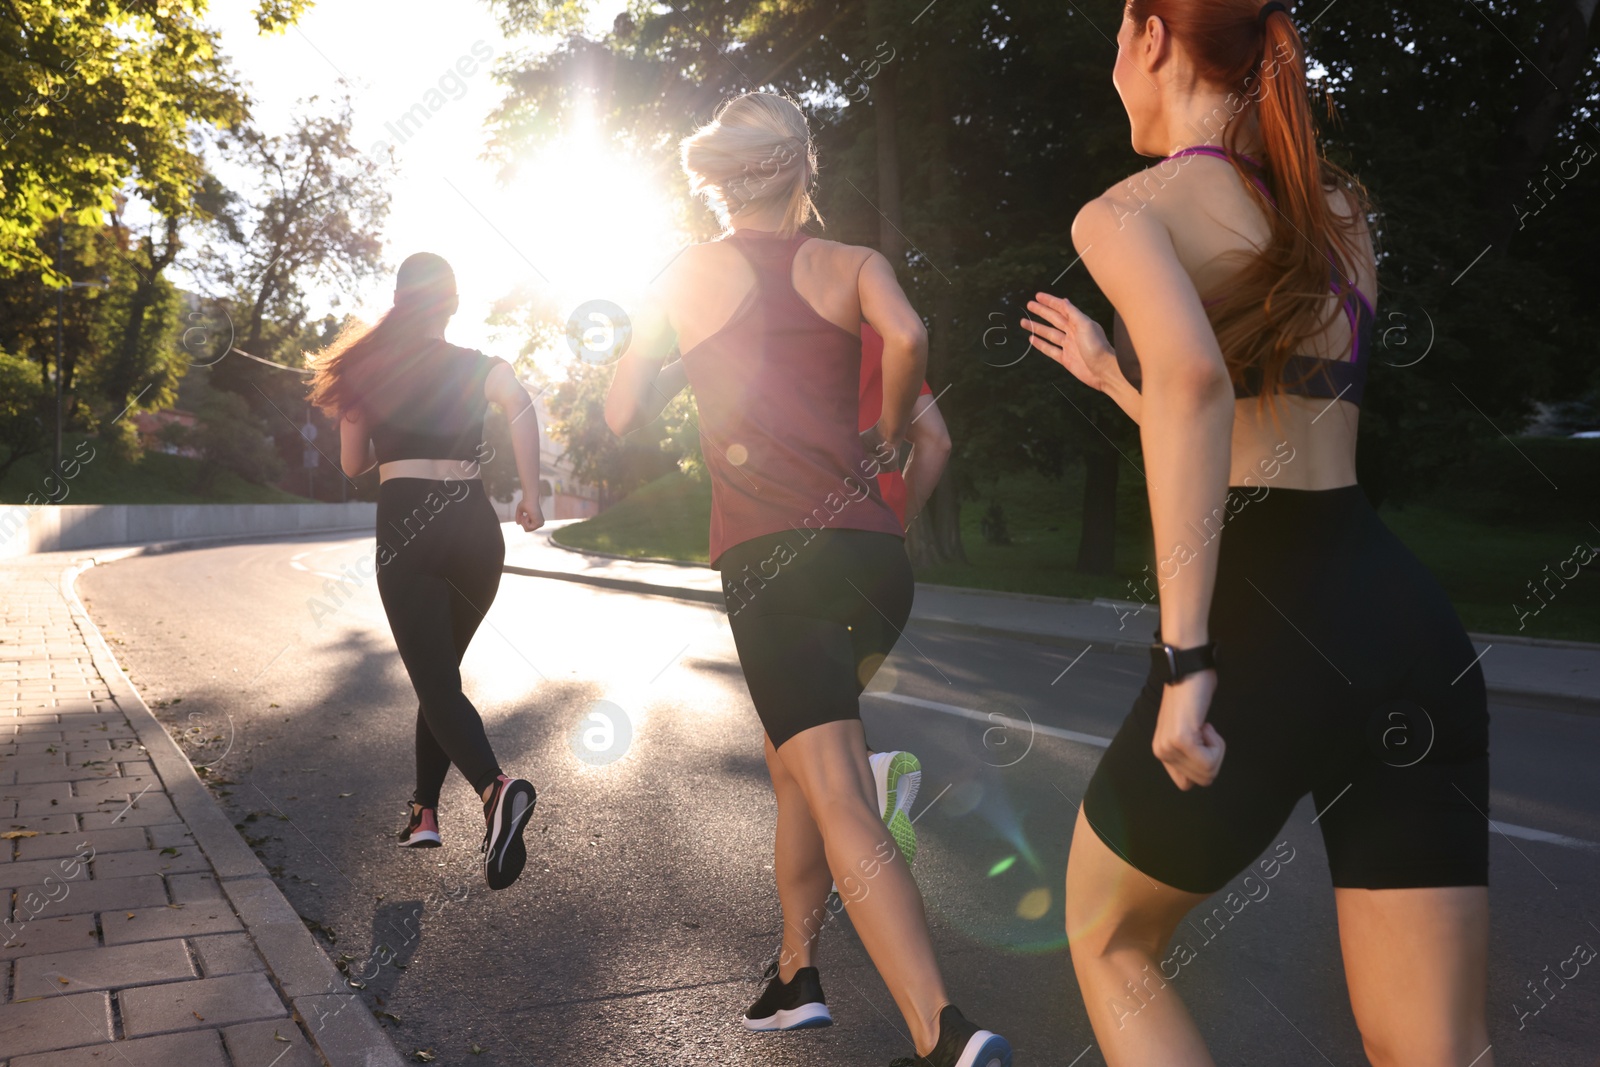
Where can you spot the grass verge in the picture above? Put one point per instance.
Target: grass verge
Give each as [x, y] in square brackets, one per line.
[1484, 565]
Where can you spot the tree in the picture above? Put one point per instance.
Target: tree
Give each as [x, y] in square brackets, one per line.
[22, 405]
[971, 131]
[614, 467]
[95, 95]
[231, 437]
[315, 224]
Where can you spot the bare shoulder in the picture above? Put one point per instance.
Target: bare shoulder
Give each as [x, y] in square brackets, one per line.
[834, 257]
[692, 263]
[1120, 209]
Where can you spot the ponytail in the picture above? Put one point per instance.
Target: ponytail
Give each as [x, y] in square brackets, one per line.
[1278, 300]
[349, 370]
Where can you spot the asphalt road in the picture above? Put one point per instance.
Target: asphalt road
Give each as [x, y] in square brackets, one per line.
[647, 910]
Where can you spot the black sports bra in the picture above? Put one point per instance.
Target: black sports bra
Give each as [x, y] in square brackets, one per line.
[1308, 376]
[431, 406]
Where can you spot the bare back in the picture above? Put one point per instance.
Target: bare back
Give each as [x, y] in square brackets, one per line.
[713, 281]
[1212, 218]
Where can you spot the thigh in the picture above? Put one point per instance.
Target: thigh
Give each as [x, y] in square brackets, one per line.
[1198, 839]
[418, 604]
[829, 764]
[1417, 965]
[1110, 902]
[472, 564]
[881, 587]
[800, 671]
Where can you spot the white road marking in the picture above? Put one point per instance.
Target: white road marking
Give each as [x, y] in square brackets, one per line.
[1526, 833]
[991, 718]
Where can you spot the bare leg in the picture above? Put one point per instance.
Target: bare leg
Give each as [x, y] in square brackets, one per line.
[1417, 963]
[829, 763]
[801, 866]
[1119, 923]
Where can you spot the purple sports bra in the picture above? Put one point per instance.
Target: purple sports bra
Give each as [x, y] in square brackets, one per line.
[1309, 376]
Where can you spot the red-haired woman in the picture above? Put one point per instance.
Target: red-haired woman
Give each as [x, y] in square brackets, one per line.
[414, 404]
[1304, 639]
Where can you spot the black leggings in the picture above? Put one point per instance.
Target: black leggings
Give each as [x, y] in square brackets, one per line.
[1343, 672]
[439, 556]
[813, 620]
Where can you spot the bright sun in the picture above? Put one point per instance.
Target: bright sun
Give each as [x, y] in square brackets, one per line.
[590, 223]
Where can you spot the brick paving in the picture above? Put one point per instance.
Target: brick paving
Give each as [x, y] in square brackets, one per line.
[119, 945]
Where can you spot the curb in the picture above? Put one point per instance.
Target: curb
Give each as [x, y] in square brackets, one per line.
[551, 539]
[1529, 699]
[306, 979]
[622, 585]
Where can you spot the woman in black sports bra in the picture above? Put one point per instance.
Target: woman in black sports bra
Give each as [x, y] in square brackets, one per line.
[414, 404]
[1301, 647]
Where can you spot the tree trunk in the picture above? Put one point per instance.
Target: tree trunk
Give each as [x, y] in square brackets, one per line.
[128, 369]
[1097, 549]
[936, 536]
[1514, 189]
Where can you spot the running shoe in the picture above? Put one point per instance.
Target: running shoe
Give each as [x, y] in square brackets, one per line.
[794, 1005]
[961, 1044]
[506, 812]
[422, 831]
[898, 776]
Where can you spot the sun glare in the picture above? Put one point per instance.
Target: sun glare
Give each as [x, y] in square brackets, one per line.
[590, 223]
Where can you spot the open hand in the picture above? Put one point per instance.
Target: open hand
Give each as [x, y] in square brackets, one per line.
[1188, 747]
[529, 516]
[1072, 339]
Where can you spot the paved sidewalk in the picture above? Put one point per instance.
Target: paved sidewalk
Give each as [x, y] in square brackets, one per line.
[1559, 675]
[139, 929]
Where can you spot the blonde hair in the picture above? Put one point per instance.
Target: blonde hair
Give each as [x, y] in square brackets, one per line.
[756, 152]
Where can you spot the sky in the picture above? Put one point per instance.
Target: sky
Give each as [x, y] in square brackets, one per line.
[578, 222]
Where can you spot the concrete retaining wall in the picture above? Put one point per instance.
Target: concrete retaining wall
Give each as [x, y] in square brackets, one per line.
[52, 528]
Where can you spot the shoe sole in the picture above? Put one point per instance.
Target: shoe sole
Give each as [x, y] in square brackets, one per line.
[805, 1017]
[898, 779]
[985, 1050]
[506, 854]
[422, 839]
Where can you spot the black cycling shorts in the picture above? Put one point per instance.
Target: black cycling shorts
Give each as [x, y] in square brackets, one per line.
[1343, 672]
[814, 614]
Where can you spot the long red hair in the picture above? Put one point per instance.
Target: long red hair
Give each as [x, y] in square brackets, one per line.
[351, 370]
[1278, 300]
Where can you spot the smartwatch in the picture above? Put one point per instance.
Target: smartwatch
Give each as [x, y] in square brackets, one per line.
[1174, 664]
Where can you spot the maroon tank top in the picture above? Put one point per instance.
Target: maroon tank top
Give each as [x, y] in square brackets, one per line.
[778, 390]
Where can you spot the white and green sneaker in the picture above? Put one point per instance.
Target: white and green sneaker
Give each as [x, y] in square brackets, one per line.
[898, 776]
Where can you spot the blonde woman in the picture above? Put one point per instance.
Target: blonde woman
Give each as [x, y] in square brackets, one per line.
[815, 574]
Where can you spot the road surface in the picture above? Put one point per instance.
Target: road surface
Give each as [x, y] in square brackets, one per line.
[647, 910]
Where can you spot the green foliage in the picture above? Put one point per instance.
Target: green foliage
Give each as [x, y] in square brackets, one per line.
[22, 410]
[615, 466]
[666, 519]
[157, 478]
[95, 97]
[231, 438]
[120, 439]
[1005, 121]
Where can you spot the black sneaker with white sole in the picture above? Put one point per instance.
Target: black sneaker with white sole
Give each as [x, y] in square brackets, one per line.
[793, 1005]
[506, 812]
[961, 1044]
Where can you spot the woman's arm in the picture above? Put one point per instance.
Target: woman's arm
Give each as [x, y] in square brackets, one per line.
[905, 344]
[1186, 424]
[645, 383]
[929, 439]
[355, 445]
[1077, 342]
[502, 388]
